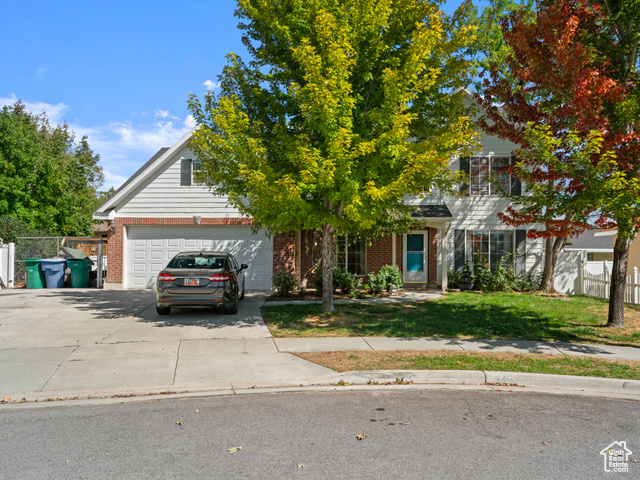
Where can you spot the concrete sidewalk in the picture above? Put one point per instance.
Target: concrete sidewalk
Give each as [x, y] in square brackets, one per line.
[71, 342]
[329, 344]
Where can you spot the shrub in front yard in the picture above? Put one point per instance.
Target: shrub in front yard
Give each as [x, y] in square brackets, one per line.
[503, 279]
[499, 279]
[377, 283]
[528, 281]
[345, 281]
[392, 276]
[453, 278]
[285, 283]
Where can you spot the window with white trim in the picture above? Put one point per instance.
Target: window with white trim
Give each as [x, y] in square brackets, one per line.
[350, 255]
[487, 247]
[482, 172]
[196, 164]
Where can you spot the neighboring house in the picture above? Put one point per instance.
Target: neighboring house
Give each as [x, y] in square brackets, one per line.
[159, 212]
[634, 250]
[596, 246]
[588, 252]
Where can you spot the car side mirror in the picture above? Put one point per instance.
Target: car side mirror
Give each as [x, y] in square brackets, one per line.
[244, 266]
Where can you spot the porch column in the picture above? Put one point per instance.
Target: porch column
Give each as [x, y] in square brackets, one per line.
[443, 253]
[393, 250]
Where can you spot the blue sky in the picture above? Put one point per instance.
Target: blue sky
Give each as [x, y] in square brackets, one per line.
[118, 72]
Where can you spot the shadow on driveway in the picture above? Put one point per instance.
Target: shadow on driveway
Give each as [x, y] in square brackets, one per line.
[140, 304]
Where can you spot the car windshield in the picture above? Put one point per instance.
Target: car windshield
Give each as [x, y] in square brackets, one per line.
[198, 261]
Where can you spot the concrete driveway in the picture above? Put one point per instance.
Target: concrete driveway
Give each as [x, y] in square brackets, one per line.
[91, 340]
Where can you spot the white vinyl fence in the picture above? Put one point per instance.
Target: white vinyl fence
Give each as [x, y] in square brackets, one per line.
[7, 255]
[598, 285]
[575, 276]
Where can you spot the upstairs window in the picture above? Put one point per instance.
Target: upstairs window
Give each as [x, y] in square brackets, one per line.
[483, 172]
[187, 169]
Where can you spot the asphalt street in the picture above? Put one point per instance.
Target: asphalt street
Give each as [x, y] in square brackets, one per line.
[453, 433]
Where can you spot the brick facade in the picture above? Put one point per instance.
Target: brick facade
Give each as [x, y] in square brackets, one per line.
[306, 247]
[116, 244]
[284, 247]
[284, 253]
[379, 253]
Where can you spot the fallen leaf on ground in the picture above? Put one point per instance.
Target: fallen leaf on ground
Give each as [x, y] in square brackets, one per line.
[300, 465]
[234, 449]
[178, 423]
[362, 436]
[545, 443]
[6, 399]
[634, 460]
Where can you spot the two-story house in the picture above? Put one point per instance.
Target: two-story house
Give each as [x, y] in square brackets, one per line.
[160, 211]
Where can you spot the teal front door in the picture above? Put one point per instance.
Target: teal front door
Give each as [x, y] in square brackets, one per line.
[415, 256]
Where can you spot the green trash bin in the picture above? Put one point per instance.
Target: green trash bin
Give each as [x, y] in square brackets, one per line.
[34, 273]
[80, 269]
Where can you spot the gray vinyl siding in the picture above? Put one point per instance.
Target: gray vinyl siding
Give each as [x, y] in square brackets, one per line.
[163, 196]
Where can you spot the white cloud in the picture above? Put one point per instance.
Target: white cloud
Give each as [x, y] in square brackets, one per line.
[41, 71]
[189, 122]
[211, 85]
[123, 146]
[55, 113]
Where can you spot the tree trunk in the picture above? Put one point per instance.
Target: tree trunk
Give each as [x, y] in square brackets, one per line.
[552, 250]
[618, 282]
[327, 268]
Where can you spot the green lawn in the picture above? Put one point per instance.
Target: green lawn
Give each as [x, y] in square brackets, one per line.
[497, 362]
[504, 316]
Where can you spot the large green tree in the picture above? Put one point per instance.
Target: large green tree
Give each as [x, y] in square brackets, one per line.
[345, 107]
[48, 181]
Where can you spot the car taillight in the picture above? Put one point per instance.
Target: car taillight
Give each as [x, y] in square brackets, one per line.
[220, 277]
[165, 277]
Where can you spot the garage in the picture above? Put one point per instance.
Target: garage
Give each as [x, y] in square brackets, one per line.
[149, 248]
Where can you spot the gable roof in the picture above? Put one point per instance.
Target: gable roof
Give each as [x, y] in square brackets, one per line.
[589, 240]
[145, 172]
[139, 172]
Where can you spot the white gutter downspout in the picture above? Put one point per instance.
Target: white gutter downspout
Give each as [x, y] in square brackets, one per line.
[443, 251]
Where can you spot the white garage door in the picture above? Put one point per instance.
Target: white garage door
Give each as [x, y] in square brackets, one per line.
[149, 249]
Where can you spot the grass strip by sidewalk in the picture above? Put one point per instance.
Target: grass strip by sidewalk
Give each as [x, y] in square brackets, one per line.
[462, 315]
[502, 362]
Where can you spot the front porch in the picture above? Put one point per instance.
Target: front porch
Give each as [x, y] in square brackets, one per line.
[417, 253]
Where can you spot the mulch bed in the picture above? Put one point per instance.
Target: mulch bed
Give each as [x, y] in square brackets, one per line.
[313, 295]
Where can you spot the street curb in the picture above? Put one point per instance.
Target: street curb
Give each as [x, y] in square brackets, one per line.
[361, 380]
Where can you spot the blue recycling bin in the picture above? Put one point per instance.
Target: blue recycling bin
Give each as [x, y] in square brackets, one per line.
[54, 271]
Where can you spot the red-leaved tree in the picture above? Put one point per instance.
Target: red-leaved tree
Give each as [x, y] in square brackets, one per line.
[549, 78]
